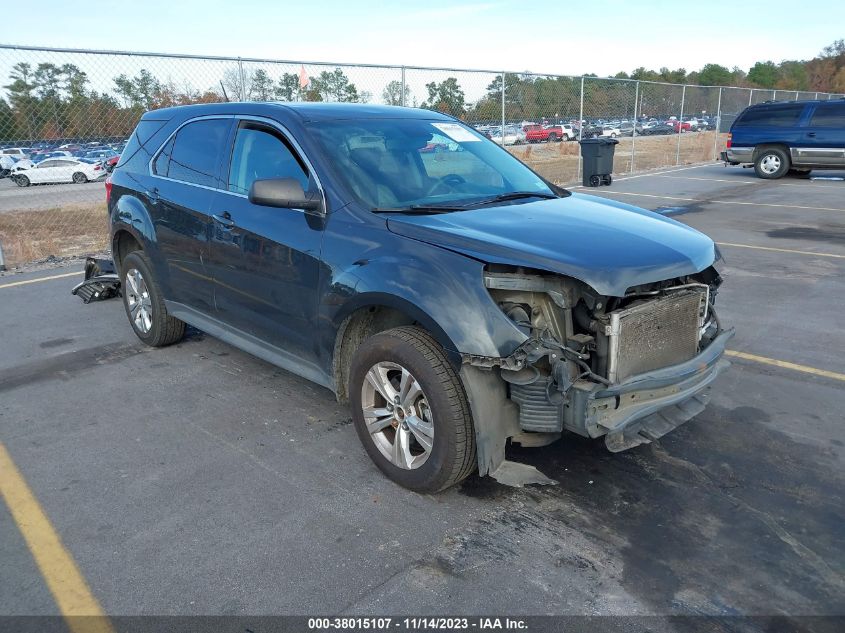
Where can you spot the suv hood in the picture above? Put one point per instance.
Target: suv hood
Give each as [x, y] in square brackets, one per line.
[609, 245]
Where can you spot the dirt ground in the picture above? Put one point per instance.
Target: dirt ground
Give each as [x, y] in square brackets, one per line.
[559, 161]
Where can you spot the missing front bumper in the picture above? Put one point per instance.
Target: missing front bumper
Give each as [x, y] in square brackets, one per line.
[638, 410]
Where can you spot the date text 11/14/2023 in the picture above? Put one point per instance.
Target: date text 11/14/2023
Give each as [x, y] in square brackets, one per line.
[416, 623]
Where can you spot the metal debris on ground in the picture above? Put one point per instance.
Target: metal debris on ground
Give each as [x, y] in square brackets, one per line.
[101, 281]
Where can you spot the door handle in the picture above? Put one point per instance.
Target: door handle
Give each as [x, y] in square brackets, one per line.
[152, 195]
[811, 134]
[225, 219]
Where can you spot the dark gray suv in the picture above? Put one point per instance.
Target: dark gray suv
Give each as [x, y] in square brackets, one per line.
[455, 298]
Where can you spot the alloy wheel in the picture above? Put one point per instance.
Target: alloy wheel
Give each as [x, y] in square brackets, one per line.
[397, 415]
[770, 164]
[138, 301]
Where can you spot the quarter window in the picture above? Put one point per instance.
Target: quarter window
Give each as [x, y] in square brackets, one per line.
[829, 115]
[260, 153]
[192, 156]
[771, 116]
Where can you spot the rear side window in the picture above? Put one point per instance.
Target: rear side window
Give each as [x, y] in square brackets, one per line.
[261, 153]
[193, 154]
[143, 132]
[829, 115]
[771, 116]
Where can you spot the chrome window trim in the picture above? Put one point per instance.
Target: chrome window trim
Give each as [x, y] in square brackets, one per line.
[241, 117]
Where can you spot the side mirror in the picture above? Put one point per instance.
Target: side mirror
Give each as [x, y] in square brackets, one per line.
[285, 193]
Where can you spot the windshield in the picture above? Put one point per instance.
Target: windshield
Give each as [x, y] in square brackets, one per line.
[404, 163]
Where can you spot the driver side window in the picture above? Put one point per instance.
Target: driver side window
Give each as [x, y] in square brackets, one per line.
[259, 153]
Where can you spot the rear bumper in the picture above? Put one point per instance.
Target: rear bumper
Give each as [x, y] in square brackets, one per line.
[739, 155]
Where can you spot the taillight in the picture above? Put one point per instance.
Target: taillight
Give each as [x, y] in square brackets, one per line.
[108, 190]
[98, 167]
[728, 145]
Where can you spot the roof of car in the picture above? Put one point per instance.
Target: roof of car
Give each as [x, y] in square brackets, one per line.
[307, 111]
[764, 104]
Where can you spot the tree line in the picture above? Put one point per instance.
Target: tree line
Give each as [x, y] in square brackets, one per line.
[51, 101]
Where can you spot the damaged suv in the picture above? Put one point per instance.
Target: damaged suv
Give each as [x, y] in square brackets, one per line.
[454, 298]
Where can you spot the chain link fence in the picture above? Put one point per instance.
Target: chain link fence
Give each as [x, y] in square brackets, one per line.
[65, 115]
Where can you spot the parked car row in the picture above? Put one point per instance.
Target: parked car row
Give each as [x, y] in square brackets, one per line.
[546, 132]
[69, 162]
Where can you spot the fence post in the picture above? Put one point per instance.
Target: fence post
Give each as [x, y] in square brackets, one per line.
[503, 108]
[402, 101]
[796, 96]
[580, 129]
[718, 125]
[243, 81]
[634, 134]
[750, 96]
[817, 96]
[680, 126]
[2, 259]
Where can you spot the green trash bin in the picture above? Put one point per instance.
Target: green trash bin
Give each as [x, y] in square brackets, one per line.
[597, 155]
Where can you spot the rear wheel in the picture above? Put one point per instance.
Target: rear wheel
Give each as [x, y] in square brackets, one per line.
[552, 138]
[410, 410]
[79, 177]
[771, 163]
[144, 303]
[21, 181]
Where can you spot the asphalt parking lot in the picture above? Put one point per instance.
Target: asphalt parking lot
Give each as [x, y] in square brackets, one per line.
[199, 480]
[38, 197]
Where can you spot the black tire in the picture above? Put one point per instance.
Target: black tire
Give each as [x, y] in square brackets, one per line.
[767, 159]
[607, 180]
[164, 329]
[21, 181]
[595, 180]
[452, 457]
[79, 178]
[552, 138]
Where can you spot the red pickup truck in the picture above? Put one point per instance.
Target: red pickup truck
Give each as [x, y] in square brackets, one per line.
[549, 133]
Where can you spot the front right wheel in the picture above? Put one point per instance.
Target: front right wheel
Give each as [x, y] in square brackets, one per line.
[410, 410]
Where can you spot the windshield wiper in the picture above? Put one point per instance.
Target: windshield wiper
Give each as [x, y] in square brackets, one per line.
[512, 195]
[445, 208]
[421, 209]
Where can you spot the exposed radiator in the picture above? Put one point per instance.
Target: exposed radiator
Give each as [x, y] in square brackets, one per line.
[656, 333]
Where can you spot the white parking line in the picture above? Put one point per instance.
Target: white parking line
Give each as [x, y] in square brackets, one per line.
[650, 173]
[780, 250]
[750, 204]
[752, 182]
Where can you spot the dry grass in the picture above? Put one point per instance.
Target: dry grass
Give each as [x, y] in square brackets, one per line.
[61, 231]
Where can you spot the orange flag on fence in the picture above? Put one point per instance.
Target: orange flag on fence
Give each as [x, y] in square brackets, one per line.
[303, 77]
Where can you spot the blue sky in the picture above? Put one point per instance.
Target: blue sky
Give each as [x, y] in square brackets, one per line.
[540, 36]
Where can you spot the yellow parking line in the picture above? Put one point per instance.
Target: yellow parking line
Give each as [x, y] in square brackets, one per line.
[780, 250]
[751, 204]
[55, 563]
[786, 365]
[35, 281]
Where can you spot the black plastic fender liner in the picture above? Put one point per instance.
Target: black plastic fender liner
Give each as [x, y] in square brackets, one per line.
[101, 281]
[495, 417]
